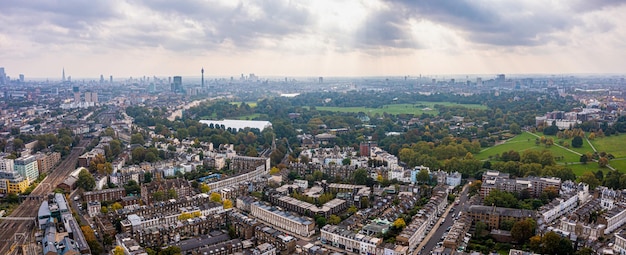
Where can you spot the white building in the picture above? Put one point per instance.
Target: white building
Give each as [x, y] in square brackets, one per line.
[239, 124]
[93, 208]
[284, 220]
[350, 241]
[615, 218]
[620, 243]
[6, 165]
[264, 249]
[453, 179]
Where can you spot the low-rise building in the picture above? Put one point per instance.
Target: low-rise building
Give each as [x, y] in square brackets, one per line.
[104, 195]
[348, 240]
[283, 220]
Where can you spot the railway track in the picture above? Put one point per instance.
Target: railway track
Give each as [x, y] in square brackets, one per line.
[18, 234]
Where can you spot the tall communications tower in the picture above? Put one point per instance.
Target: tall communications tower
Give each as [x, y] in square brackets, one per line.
[202, 71]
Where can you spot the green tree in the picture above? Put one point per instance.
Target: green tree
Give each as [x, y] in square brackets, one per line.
[158, 195]
[85, 180]
[550, 243]
[360, 176]
[585, 251]
[320, 221]
[132, 187]
[501, 199]
[577, 142]
[136, 138]
[590, 178]
[147, 177]
[346, 161]
[515, 129]
[334, 220]
[171, 194]
[172, 250]
[352, 209]
[423, 176]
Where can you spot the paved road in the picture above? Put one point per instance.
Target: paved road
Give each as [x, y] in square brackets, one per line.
[430, 241]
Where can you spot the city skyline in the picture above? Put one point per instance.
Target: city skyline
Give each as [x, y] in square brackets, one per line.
[320, 38]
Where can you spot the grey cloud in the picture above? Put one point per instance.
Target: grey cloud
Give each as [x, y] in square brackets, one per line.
[387, 28]
[493, 25]
[276, 20]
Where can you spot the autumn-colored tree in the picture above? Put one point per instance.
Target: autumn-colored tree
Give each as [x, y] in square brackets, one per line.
[118, 250]
[592, 136]
[399, 223]
[228, 204]
[216, 197]
[523, 230]
[204, 188]
[274, 171]
[603, 162]
[116, 206]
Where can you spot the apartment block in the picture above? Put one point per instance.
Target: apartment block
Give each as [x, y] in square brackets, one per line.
[46, 162]
[283, 220]
[492, 216]
[27, 167]
[534, 185]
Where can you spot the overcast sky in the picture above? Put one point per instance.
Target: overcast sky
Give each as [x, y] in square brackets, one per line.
[311, 37]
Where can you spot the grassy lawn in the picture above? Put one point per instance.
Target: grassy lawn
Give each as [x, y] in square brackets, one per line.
[519, 143]
[619, 164]
[615, 145]
[580, 169]
[249, 116]
[418, 108]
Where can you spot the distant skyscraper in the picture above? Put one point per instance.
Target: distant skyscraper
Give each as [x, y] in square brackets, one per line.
[177, 85]
[111, 79]
[22, 78]
[94, 97]
[76, 97]
[500, 78]
[3, 76]
[202, 71]
[63, 79]
[321, 80]
[101, 79]
[87, 97]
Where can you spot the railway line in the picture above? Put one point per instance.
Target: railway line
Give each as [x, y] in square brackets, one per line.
[18, 234]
